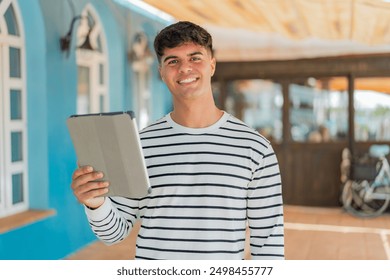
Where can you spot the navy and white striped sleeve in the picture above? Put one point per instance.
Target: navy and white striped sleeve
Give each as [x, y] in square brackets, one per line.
[113, 221]
[265, 209]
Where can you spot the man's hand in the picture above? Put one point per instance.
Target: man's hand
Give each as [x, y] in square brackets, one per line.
[86, 191]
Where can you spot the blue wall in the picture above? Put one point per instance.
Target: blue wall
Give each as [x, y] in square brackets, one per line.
[51, 98]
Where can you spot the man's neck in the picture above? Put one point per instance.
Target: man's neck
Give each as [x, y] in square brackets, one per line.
[196, 116]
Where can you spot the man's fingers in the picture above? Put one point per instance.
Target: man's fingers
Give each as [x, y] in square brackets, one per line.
[91, 190]
[85, 178]
[81, 171]
[91, 186]
[87, 187]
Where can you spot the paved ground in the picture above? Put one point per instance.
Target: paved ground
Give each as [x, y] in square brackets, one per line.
[311, 233]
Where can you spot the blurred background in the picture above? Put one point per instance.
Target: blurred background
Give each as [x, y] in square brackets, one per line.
[313, 76]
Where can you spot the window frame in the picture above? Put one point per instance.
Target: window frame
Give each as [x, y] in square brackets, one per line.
[7, 125]
[93, 61]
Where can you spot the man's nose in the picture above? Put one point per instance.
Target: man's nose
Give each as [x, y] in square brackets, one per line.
[185, 67]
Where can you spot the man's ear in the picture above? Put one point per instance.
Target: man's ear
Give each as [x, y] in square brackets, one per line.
[159, 71]
[213, 66]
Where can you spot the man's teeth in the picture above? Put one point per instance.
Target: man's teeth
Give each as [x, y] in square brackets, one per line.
[186, 81]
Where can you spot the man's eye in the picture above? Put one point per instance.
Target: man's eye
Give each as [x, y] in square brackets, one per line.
[173, 61]
[195, 58]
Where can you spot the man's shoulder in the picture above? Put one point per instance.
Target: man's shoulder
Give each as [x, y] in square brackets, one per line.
[238, 126]
[155, 126]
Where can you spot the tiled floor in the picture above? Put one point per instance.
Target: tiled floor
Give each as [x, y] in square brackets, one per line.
[332, 234]
[310, 234]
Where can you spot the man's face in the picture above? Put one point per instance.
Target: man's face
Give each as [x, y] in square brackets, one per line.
[187, 71]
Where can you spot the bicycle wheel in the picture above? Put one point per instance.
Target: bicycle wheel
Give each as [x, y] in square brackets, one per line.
[355, 200]
[348, 199]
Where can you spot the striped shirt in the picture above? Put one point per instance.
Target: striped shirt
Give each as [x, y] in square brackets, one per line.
[208, 185]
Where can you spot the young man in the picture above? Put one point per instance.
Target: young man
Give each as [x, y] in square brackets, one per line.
[211, 175]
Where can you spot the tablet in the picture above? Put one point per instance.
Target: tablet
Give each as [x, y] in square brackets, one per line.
[110, 143]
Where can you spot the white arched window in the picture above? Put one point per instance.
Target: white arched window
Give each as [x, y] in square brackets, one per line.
[13, 130]
[141, 61]
[92, 89]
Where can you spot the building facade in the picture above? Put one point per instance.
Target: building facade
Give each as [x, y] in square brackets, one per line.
[59, 58]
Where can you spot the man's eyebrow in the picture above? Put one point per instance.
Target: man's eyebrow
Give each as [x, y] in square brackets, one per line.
[174, 56]
[169, 57]
[195, 53]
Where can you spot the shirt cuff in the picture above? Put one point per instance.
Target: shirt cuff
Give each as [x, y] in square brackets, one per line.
[101, 212]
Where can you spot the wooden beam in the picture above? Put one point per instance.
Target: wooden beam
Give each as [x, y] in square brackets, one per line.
[376, 65]
[376, 84]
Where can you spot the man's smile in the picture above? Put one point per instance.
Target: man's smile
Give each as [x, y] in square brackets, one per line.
[187, 81]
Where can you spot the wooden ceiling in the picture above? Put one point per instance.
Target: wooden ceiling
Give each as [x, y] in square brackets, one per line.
[363, 22]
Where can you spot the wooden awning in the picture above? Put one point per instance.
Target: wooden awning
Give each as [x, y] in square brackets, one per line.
[287, 29]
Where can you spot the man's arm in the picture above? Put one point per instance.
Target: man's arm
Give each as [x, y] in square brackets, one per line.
[111, 220]
[265, 210]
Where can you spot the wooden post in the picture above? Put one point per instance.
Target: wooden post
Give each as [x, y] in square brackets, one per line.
[351, 114]
[286, 113]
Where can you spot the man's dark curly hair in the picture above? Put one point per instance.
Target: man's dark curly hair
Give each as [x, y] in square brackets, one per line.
[179, 33]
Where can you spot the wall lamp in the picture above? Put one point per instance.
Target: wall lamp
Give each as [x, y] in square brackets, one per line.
[140, 55]
[65, 41]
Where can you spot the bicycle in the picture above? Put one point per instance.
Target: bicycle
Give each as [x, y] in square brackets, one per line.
[366, 191]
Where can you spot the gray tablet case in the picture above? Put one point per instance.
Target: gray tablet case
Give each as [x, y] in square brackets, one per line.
[109, 142]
